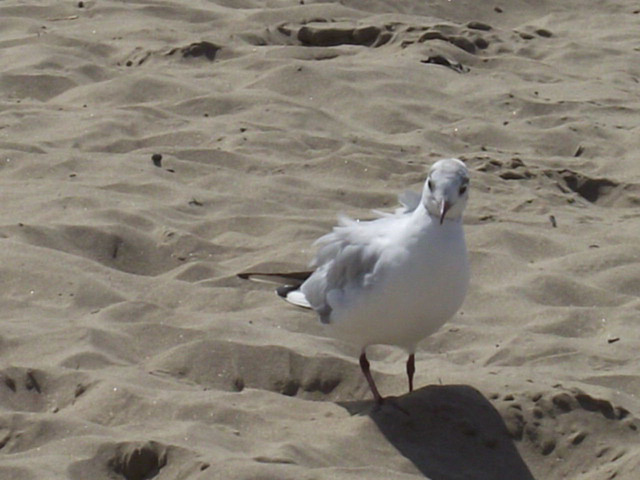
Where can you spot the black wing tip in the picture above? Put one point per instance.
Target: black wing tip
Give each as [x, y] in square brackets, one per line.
[284, 290]
[287, 278]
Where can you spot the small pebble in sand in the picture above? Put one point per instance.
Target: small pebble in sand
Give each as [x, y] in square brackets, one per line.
[156, 158]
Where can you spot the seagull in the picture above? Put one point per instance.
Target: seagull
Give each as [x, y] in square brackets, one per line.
[393, 280]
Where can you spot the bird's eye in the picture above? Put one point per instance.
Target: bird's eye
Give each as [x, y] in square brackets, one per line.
[463, 189]
[430, 184]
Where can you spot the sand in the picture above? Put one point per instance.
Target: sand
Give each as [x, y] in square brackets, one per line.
[130, 349]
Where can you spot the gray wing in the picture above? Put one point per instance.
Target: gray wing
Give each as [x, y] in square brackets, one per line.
[346, 260]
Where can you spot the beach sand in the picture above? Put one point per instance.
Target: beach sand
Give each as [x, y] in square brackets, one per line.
[151, 150]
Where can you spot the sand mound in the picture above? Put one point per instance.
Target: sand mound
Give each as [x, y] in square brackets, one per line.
[149, 151]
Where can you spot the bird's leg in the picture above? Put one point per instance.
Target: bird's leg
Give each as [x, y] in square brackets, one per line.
[364, 365]
[411, 368]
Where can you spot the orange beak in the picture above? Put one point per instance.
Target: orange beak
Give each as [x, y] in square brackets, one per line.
[444, 208]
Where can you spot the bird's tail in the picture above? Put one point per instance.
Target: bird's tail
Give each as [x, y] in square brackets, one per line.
[287, 278]
[288, 282]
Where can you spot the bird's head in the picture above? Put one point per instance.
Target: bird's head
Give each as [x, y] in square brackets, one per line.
[446, 190]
